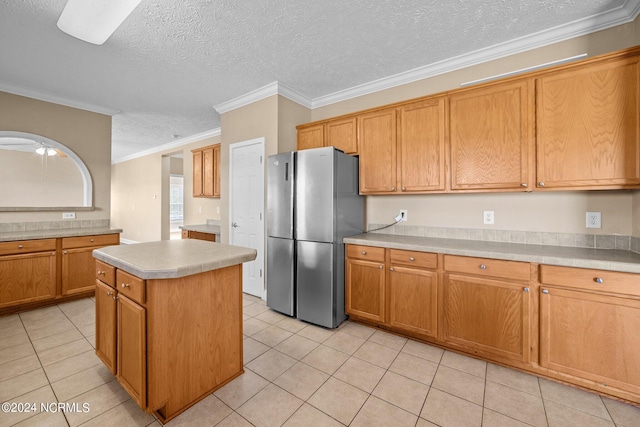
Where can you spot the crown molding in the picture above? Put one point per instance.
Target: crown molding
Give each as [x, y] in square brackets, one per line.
[628, 12]
[49, 97]
[274, 88]
[168, 146]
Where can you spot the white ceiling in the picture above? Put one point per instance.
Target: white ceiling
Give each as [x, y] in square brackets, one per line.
[170, 62]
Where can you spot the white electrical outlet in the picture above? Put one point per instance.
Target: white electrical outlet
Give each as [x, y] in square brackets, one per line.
[68, 215]
[488, 217]
[594, 220]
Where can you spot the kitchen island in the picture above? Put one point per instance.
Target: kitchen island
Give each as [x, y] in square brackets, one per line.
[169, 319]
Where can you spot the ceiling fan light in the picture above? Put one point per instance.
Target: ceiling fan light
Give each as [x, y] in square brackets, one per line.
[40, 150]
[94, 20]
[51, 152]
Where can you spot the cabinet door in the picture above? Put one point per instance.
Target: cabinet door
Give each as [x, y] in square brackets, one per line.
[413, 301]
[487, 316]
[365, 289]
[491, 134]
[588, 125]
[207, 172]
[106, 325]
[197, 173]
[311, 137]
[78, 270]
[27, 278]
[132, 351]
[421, 142]
[342, 135]
[591, 336]
[216, 170]
[377, 148]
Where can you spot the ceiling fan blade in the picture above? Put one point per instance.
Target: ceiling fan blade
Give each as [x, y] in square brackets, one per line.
[60, 153]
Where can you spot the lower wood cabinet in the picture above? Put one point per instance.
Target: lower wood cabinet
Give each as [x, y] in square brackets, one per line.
[106, 324]
[131, 349]
[365, 289]
[78, 273]
[27, 278]
[192, 234]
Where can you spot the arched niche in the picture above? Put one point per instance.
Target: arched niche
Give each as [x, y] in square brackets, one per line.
[64, 172]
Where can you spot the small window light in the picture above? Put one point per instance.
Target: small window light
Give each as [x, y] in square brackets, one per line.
[94, 20]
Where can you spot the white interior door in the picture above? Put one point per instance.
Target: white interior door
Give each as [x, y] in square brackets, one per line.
[246, 206]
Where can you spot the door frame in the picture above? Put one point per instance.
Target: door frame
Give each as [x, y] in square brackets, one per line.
[261, 238]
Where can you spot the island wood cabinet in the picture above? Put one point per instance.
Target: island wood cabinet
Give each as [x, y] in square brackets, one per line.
[491, 131]
[588, 125]
[206, 171]
[486, 306]
[192, 234]
[27, 271]
[170, 342]
[589, 323]
[395, 288]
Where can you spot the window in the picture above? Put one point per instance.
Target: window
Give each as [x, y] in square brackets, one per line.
[176, 198]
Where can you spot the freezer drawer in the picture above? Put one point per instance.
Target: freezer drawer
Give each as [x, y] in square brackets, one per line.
[281, 275]
[316, 284]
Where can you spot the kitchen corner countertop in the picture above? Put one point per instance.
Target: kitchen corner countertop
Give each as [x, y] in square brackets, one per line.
[202, 228]
[10, 236]
[170, 259]
[601, 259]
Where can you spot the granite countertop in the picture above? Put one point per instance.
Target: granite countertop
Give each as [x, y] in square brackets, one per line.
[10, 236]
[602, 259]
[202, 228]
[169, 259]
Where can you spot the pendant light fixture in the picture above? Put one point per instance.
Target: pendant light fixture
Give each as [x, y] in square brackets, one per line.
[94, 20]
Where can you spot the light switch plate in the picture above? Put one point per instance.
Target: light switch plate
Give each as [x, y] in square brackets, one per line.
[68, 215]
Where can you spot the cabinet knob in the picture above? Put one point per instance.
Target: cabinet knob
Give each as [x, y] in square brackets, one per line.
[411, 258]
[391, 269]
[393, 188]
[114, 298]
[483, 267]
[544, 291]
[524, 184]
[541, 184]
[598, 280]
[125, 285]
[363, 252]
[92, 240]
[526, 289]
[65, 252]
[20, 246]
[109, 294]
[381, 267]
[404, 189]
[100, 273]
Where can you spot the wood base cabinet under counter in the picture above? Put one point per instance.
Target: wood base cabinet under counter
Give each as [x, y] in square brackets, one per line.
[171, 341]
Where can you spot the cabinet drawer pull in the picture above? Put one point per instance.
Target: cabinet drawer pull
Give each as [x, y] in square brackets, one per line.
[393, 188]
[526, 289]
[544, 291]
[92, 240]
[114, 298]
[65, 252]
[100, 273]
[541, 184]
[524, 184]
[363, 252]
[598, 280]
[109, 294]
[20, 246]
[125, 285]
[391, 269]
[381, 267]
[411, 258]
[404, 189]
[483, 267]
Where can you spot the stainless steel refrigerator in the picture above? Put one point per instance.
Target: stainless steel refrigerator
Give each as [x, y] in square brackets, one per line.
[312, 204]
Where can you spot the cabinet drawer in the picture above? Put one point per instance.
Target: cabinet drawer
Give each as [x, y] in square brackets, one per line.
[106, 273]
[202, 236]
[415, 259]
[26, 246]
[512, 270]
[86, 241]
[595, 280]
[371, 253]
[131, 286]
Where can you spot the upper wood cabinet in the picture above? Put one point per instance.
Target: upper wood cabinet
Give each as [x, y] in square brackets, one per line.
[490, 136]
[310, 137]
[421, 146]
[206, 171]
[377, 148]
[588, 125]
[339, 133]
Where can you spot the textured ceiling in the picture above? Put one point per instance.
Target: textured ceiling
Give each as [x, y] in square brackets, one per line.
[171, 61]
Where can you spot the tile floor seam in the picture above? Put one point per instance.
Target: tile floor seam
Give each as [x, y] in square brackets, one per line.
[544, 407]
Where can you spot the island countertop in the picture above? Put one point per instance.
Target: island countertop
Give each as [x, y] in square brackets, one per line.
[170, 259]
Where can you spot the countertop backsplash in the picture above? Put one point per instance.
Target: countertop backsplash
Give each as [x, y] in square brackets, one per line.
[598, 241]
[6, 227]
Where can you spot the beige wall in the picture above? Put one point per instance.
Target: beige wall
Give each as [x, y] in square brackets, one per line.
[87, 134]
[553, 212]
[290, 114]
[35, 180]
[136, 182]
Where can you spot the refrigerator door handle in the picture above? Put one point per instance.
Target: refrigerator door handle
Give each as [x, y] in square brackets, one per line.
[286, 171]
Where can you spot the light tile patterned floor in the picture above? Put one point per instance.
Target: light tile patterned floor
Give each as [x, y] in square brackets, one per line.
[296, 374]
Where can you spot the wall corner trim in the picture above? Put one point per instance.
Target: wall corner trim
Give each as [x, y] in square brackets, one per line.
[274, 88]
